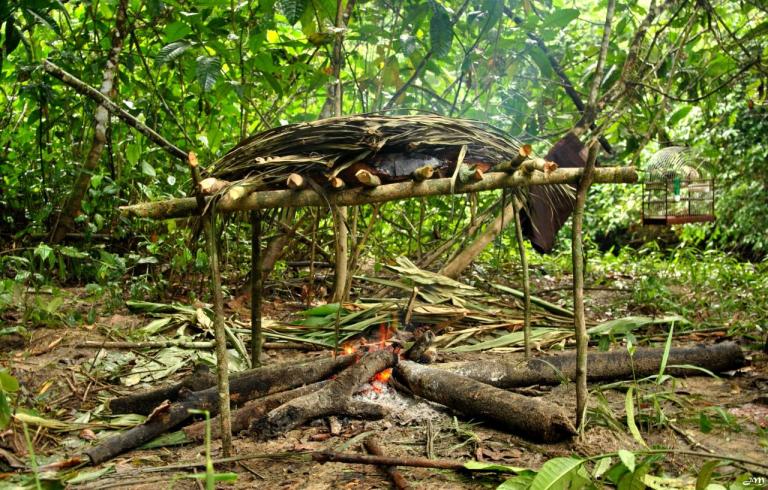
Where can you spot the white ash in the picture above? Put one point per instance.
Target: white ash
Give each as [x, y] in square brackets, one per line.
[403, 408]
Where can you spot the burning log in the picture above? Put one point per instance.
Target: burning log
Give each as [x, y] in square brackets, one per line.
[372, 446]
[252, 384]
[603, 366]
[333, 399]
[529, 417]
[253, 410]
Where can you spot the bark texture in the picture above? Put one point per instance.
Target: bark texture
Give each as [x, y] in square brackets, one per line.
[72, 206]
[529, 417]
[602, 366]
[182, 207]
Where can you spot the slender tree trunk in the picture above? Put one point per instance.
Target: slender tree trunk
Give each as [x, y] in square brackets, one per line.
[577, 256]
[526, 281]
[577, 253]
[341, 232]
[72, 206]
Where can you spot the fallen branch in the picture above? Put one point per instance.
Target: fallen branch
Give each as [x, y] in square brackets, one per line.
[332, 457]
[372, 446]
[181, 207]
[532, 418]
[333, 399]
[603, 366]
[254, 384]
[253, 410]
[144, 402]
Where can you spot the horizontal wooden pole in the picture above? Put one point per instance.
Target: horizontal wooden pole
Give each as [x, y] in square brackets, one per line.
[181, 207]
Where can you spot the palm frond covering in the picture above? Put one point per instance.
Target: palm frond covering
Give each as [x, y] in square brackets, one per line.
[331, 145]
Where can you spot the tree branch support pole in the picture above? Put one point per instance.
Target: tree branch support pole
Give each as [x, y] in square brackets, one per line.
[341, 233]
[577, 243]
[577, 256]
[222, 361]
[257, 283]
[526, 280]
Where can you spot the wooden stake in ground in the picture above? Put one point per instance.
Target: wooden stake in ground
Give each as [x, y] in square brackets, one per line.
[220, 334]
[526, 279]
[257, 281]
[529, 417]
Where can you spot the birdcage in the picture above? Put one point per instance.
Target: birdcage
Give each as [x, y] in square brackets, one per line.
[676, 189]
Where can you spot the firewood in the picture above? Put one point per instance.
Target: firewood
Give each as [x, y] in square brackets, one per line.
[144, 402]
[254, 409]
[332, 399]
[529, 417]
[423, 173]
[295, 182]
[602, 366]
[367, 179]
[250, 385]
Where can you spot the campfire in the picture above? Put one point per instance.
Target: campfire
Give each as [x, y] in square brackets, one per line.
[370, 376]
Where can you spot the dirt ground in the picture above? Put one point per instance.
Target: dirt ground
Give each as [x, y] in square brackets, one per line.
[54, 373]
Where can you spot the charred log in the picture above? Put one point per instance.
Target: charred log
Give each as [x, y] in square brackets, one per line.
[602, 366]
[529, 417]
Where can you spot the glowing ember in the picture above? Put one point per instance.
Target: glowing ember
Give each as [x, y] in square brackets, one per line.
[383, 376]
[349, 349]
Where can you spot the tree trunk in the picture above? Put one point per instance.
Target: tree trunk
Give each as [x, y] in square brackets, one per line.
[72, 206]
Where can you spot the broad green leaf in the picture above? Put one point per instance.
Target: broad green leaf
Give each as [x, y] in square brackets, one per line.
[293, 9]
[705, 474]
[148, 169]
[628, 458]
[634, 480]
[85, 476]
[602, 466]
[440, 32]
[556, 473]
[171, 51]
[482, 466]
[665, 356]
[518, 482]
[678, 115]
[629, 405]
[8, 382]
[560, 18]
[43, 251]
[170, 439]
[207, 72]
[175, 31]
[5, 410]
[322, 310]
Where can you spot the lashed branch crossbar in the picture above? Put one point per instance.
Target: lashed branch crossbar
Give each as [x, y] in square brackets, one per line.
[181, 207]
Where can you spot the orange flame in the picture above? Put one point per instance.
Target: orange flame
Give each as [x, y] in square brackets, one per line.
[383, 376]
[349, 349]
